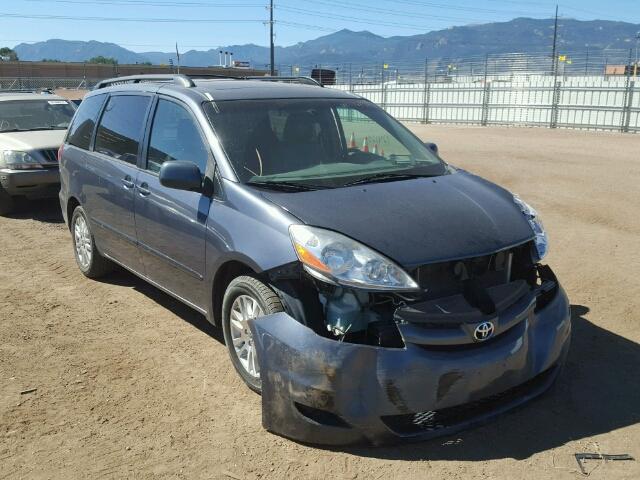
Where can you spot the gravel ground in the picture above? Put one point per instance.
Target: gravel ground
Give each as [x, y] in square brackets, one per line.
[129, 383]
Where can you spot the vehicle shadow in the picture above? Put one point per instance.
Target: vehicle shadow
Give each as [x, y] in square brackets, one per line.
[123, 278]
[46, 210]
[597, 392]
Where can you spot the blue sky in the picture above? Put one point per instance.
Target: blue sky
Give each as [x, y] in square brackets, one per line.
[209, 23]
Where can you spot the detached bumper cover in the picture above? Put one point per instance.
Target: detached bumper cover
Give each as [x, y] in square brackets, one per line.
[322, 391]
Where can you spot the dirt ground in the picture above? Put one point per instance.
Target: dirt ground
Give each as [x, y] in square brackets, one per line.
[132, 384]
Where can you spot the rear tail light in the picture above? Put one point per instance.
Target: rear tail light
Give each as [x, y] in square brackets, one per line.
[60, 151]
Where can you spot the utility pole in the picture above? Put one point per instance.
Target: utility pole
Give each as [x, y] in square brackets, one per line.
[554, 53]
[272, 48]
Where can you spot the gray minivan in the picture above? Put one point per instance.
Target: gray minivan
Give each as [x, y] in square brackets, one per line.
[366, 288]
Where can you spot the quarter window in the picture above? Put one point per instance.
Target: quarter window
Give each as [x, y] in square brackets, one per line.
[175, 136]
[85, 120]
[121, 127]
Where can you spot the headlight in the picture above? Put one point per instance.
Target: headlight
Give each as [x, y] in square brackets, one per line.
[16, 160]
[541, 241]
[334, 258]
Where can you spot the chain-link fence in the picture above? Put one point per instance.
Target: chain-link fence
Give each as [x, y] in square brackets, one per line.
[581, 90]
[38, 83]
[471, 68]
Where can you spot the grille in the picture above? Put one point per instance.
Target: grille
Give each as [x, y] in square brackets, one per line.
[433, 420]
[50, 155]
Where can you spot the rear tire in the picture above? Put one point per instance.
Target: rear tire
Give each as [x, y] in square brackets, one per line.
[6, 202]
[89, 260]
[246, 297]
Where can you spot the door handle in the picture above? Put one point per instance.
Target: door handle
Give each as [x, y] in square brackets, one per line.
[143, 189]
[126, 181]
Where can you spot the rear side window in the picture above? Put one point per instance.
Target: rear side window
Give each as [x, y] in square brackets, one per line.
[121, 127]
[175, 136]
[85, 120]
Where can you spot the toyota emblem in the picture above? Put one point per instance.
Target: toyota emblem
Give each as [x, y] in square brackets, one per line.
[484, 331]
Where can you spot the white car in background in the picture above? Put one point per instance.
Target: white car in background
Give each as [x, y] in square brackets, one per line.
[32, 128]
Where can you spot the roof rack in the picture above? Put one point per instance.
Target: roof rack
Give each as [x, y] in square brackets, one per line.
[302, 80]
[187, 80]
[178, 79]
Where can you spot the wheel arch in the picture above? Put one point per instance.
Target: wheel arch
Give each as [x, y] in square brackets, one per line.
[224, 275]
[72, 204]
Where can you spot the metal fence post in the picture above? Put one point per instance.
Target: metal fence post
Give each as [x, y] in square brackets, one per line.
[426, 92]
[628, 97]
[555, 99]
[383, 90]
[555, 102]
[350, 79]
[627, 121]
[484, 117]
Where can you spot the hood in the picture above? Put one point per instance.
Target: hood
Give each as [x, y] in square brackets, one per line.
[34, 140]
[419, 221]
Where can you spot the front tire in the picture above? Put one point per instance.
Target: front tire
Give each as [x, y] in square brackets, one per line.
[6, 202]
[89, 260]
[246, 298]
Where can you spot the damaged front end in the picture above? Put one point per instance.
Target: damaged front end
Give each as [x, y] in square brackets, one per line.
[346, 365]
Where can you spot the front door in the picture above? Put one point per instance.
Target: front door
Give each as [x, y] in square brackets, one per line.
[171, 223]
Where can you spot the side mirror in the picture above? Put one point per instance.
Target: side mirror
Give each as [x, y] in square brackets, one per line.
[432, 146]
[181, 175]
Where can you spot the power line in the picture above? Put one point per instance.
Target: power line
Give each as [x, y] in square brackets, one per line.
[365, 8]
[151, 3]
[305, 25]
[161, 20]
[129, 19]
[350, 19]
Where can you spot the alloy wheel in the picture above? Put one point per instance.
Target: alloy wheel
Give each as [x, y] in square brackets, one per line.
[243, 309]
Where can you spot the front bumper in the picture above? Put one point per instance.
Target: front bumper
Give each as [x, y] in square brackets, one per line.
[31, 183]
[321, 391]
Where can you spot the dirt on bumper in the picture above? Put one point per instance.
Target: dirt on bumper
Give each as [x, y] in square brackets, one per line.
[322, 391]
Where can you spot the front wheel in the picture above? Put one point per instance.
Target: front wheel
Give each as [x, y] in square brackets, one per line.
[246, 298]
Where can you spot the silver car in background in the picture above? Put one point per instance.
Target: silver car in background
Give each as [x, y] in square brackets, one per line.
[32, 127]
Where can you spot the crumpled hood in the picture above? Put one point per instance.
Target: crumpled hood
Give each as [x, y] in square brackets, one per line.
[34, 140]
[417, 221]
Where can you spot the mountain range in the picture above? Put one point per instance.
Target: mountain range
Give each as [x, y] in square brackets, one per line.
[524, 35]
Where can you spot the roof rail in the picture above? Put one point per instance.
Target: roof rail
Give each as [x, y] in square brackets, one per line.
[264, 78]
[187, 80]
[299, 79]
[178, 79]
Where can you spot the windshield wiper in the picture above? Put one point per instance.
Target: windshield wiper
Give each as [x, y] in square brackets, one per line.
[287, 186]
[388, 177]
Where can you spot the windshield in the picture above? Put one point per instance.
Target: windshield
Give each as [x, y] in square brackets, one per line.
[25, 115]
[317, 143]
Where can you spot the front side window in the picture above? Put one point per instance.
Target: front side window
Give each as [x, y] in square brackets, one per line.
[37, 114]
[175, 136]
[84, 122]
[319, 143]
[121, 127]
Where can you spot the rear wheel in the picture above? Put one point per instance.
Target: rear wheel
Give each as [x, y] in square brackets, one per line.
[6, 202]
[89, 260]
[246, 298]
